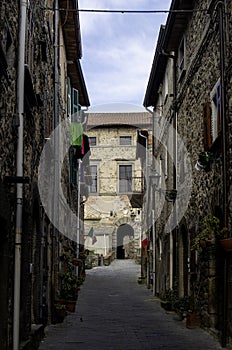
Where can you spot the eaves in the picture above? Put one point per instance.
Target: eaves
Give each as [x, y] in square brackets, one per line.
[157, 72]
[168, 41]
[71, 28]
[77, 81]
[180, 11]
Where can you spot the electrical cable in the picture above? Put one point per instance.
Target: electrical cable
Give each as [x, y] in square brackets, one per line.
[126, 11]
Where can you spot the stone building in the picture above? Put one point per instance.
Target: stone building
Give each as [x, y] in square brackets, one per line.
[40, 51]
[113, 209]
[189, 90]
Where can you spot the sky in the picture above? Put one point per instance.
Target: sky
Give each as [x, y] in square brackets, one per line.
[118, 49]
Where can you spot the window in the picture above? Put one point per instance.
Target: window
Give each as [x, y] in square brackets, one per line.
[215, 98]
[69, 104]
[166, 78]
[73, 107]
[94, 187]
[75, 104]
[181, 57]
[92, 141]
[125, 178]
[212, 117]
[125, 140]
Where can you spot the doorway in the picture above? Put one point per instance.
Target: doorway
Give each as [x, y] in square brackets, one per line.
[125, 242]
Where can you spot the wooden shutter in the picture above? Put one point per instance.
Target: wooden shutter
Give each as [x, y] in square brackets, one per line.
[207, 126]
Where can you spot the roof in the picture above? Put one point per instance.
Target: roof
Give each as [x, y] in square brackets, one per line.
[137, 120]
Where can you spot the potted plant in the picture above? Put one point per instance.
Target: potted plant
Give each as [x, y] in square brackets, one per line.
[168, 300]
[77, 262]
[69, 290]
[65, 256]
[204, 160]
[187, 307]
[210, 231]
[59, 311]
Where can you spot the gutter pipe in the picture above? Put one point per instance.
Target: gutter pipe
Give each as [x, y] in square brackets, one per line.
[221, 13]
[56, 146]
[19, 202]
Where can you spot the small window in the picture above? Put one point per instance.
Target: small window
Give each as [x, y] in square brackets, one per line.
[93, 188]
[125, 140]
[92, 141]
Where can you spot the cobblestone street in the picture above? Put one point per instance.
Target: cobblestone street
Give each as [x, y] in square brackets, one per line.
[115, 312]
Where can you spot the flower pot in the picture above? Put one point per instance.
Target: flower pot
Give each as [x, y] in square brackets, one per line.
[193, 320]
[166, 305]
[202, 243]
[71, 305]
[60, 312]
[75, 262]
[226, 244]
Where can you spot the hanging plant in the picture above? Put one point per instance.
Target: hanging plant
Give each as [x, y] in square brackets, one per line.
[170, 195]
[210, 231]
[204, 160]
[65, 256]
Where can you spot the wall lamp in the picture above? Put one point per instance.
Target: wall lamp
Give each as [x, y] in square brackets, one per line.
[155, 178]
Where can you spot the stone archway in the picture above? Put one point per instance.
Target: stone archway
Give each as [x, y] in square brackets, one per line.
[125, 242]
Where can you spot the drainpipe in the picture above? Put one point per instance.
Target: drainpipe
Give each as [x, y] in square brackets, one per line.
[221, 13]
[153, 204]
[174, 240]
[146, 176]
[19, 202]
[78, 208]
[146, 173]
[56, 146]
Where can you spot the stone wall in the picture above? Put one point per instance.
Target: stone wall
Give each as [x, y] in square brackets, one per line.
[194, 88]
[105, 209]
[40, 250]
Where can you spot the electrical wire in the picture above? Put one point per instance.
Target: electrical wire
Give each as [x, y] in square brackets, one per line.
[126, 11]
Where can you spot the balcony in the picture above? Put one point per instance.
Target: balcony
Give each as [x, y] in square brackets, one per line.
[134, 189]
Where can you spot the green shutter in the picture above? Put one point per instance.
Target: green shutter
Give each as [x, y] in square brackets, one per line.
[75, 104]
[76, 133]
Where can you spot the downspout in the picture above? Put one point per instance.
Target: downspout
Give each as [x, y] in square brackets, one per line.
[221, 13]
[78, 208]
[19, 202]
[56, 146]
[146, 173]
[147, 211]
[43, 234]
[153, 205]
[175, 131]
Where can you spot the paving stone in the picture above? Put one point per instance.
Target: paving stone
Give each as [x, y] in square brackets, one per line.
[115, 312]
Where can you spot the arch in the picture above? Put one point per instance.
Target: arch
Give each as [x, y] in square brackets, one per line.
[125, 241]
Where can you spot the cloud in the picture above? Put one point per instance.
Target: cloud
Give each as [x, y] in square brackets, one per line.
[118, 49]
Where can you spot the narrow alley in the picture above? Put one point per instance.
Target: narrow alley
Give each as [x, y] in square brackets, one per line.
[115, 312]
